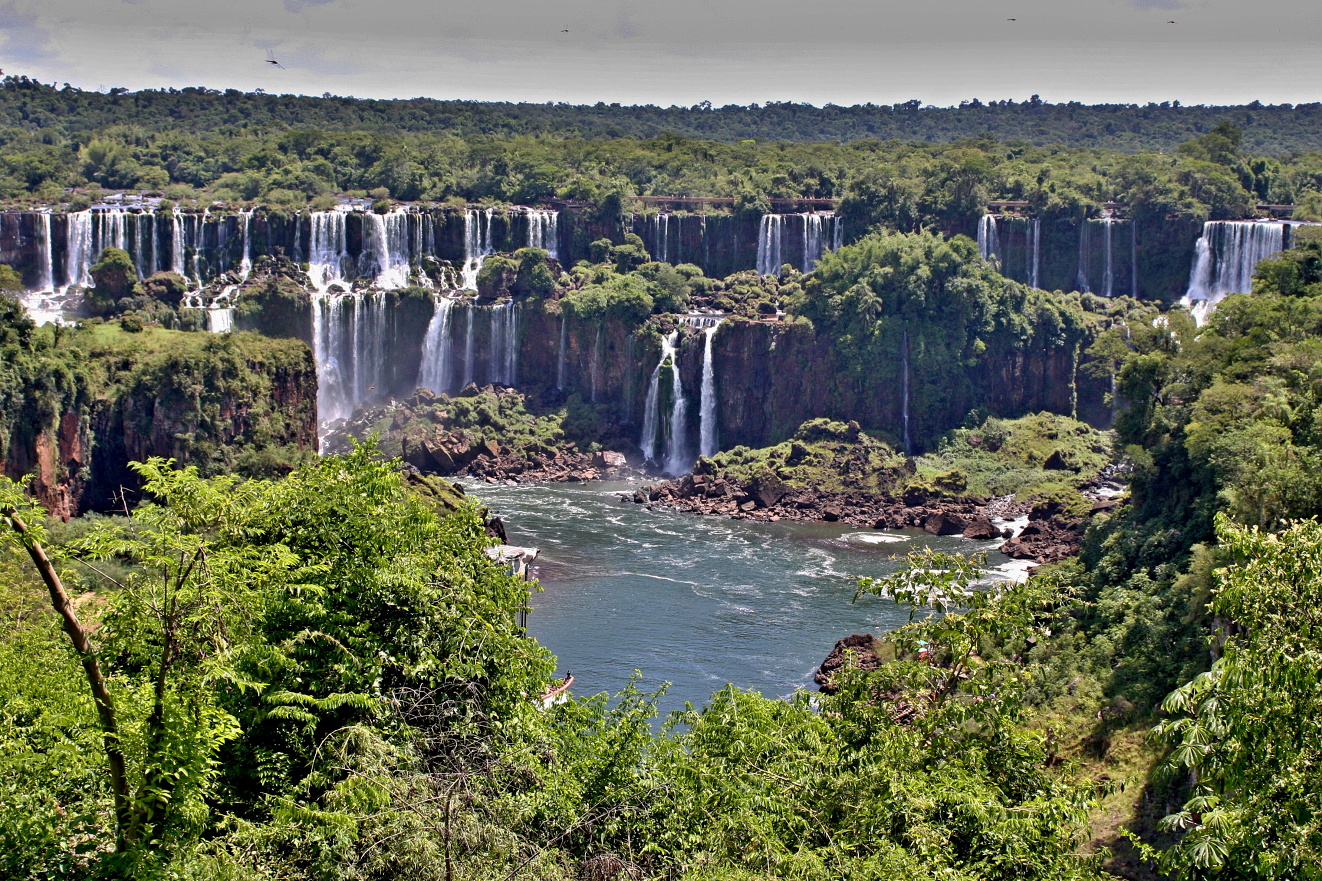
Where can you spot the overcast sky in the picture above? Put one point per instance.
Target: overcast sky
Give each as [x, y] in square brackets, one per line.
[683, 51]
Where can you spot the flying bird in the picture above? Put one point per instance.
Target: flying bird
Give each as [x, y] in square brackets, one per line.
[1012, 19]
[270, 59]
[1170, 22]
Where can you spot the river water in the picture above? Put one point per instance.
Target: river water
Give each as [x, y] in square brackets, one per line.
[696, 601]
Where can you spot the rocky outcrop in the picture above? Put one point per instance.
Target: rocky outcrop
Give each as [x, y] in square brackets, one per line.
[1048, 538]
[858, 652]
[484, 433]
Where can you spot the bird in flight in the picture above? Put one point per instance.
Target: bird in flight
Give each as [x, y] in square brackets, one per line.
[1012, 19]
[270, 59]
[1170, 22]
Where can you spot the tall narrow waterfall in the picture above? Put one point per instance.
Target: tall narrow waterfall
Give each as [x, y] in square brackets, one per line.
[78, 249]
[816, 236]
[1085, 249]
[768, 244]
[1108, 269]
[435, 371]
[1133, 259]
[245, 230]
[1225, 258]
[385, 254]
[594, 371]
[328, 248]
[477, 243]
[544, 231]
[989, 244]
[177, 239]
[560, 356]
[708, 442]
[505, 343]
[468, 347]
[652, 406]
[1035, 250]
[45, 254]
[904, 414]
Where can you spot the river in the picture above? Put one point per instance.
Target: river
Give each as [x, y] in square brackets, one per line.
[696, 601]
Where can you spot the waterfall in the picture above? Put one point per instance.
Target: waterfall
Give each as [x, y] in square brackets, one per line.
[477, 243]
[1034, 245]
[468, 345]
[708, 444]
[1108, 274]
[435, 371]
[989, 244]
[45, 258]
[328, 248]
[1225, 258]
[544, 231]
[652, 406]
[677, 460]
[560, 357]
[904, 357]
[595, 371]
[814, 236]
[144, 230]
[78, 250]
[1133, 259]
[177, 242]
[505, 343]
[769, 232]
[245, 229]
[385, 256]
[1085, 249]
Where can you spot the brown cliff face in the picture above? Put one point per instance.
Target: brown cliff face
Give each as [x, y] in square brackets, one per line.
[201, 400]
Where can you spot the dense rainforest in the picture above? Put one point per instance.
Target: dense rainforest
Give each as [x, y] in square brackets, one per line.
[287, 151]
[251, 662]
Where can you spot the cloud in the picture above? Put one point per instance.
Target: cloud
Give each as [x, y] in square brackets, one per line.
[25, 40]
[299, 5]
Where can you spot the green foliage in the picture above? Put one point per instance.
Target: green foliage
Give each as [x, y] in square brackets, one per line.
[1022, 457]
[1245, 730]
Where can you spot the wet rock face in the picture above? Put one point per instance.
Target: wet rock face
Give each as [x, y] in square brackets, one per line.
[857, 651]
[1046, 540]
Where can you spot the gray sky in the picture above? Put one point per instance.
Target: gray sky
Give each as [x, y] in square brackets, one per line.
[683, 51]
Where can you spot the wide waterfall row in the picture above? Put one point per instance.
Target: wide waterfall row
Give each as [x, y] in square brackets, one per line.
[55, 251]
[1105, 259]
[1225, 258]
[356, 340]
[797, 239]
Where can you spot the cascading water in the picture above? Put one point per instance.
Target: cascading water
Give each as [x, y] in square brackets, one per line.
[1085, 249]
[477, 244]
[594, 371]
[815, 236]
[468, 345]
[708, 442]
[544, 231]
[904, 359]
[78, 249]
[769, 232]
[245, 230]
[1035, 246]
[177, 242]
[1133, 259]
[45, 254]
[652, 404]
[505, 343]
[1108, 270]
[435, 371]
[328, 248]
[386, 248]
[560, 356]
[1225, 258]
[989, 244]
